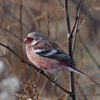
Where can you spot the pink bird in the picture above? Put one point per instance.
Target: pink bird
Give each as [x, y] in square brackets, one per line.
[48, 56]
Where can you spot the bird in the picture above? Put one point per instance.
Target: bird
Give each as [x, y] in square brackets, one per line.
[48, 56]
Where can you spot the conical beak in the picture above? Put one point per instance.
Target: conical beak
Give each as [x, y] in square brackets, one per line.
[25, 40]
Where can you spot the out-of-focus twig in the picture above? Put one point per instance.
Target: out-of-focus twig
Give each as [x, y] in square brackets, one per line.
[11, 68]
[11, 33]
[81, 93]
[38, 80]
[20, 42]
[14, 17]
[90, 54]
[21, 51]
[83, 21]
[35, 21]
[86, 15]
[63, 43]
[43, 87]
[33, 85]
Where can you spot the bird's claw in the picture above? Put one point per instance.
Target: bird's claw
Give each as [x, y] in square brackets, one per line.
[54, 83]
[39, 71]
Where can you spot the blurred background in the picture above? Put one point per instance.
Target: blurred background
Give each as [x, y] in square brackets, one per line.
[18, 18]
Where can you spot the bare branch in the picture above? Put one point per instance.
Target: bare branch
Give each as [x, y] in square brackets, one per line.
[61, 4]
[77, 23]
[70, 49]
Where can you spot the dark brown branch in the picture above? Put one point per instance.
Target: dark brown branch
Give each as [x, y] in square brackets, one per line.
[67, 16]
[33, 66]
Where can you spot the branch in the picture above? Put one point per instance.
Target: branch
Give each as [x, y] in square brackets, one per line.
[33, 66]
[70, 34]
[79, 8]
[61, 4]
[70, 49]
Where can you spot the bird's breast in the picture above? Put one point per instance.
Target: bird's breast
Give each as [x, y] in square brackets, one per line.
[44, 63]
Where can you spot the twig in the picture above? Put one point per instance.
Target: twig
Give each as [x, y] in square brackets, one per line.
[77, 23]
[81, 93]
[70, 33]
[34, 93]
[11, 33]
[35, 21]
[67, 16]
[14, 17]
[88, 51]
[70, 49]
[38, 80]
[43, 87]
[90, 10]
[33, 66]
[61, 4]
[83, 21]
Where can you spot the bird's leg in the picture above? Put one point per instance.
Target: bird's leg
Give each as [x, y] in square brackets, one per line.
[55, 80]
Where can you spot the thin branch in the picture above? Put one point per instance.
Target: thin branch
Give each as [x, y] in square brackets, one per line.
[70, 49]
[77, 23]
[61, 4]
[67, 16]
[33, 66]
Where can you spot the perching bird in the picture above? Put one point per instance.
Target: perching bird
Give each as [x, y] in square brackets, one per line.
[48, 56]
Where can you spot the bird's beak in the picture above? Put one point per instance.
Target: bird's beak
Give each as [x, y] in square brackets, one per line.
[25, 40]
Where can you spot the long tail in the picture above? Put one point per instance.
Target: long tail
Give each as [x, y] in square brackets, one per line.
[73, 69]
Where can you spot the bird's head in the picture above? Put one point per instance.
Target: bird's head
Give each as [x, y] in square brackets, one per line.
[34, 37]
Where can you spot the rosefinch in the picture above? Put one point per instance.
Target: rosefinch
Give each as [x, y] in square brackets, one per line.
[48, 56]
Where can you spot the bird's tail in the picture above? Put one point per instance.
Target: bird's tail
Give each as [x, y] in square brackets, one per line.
[73, 69]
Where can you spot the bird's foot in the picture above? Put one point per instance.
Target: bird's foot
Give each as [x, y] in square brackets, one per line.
[54, 82]
[39, 71]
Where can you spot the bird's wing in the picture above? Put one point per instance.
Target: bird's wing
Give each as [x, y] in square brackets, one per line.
[51, 50]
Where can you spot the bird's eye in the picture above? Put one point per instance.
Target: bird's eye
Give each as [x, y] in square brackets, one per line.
[31, 39]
